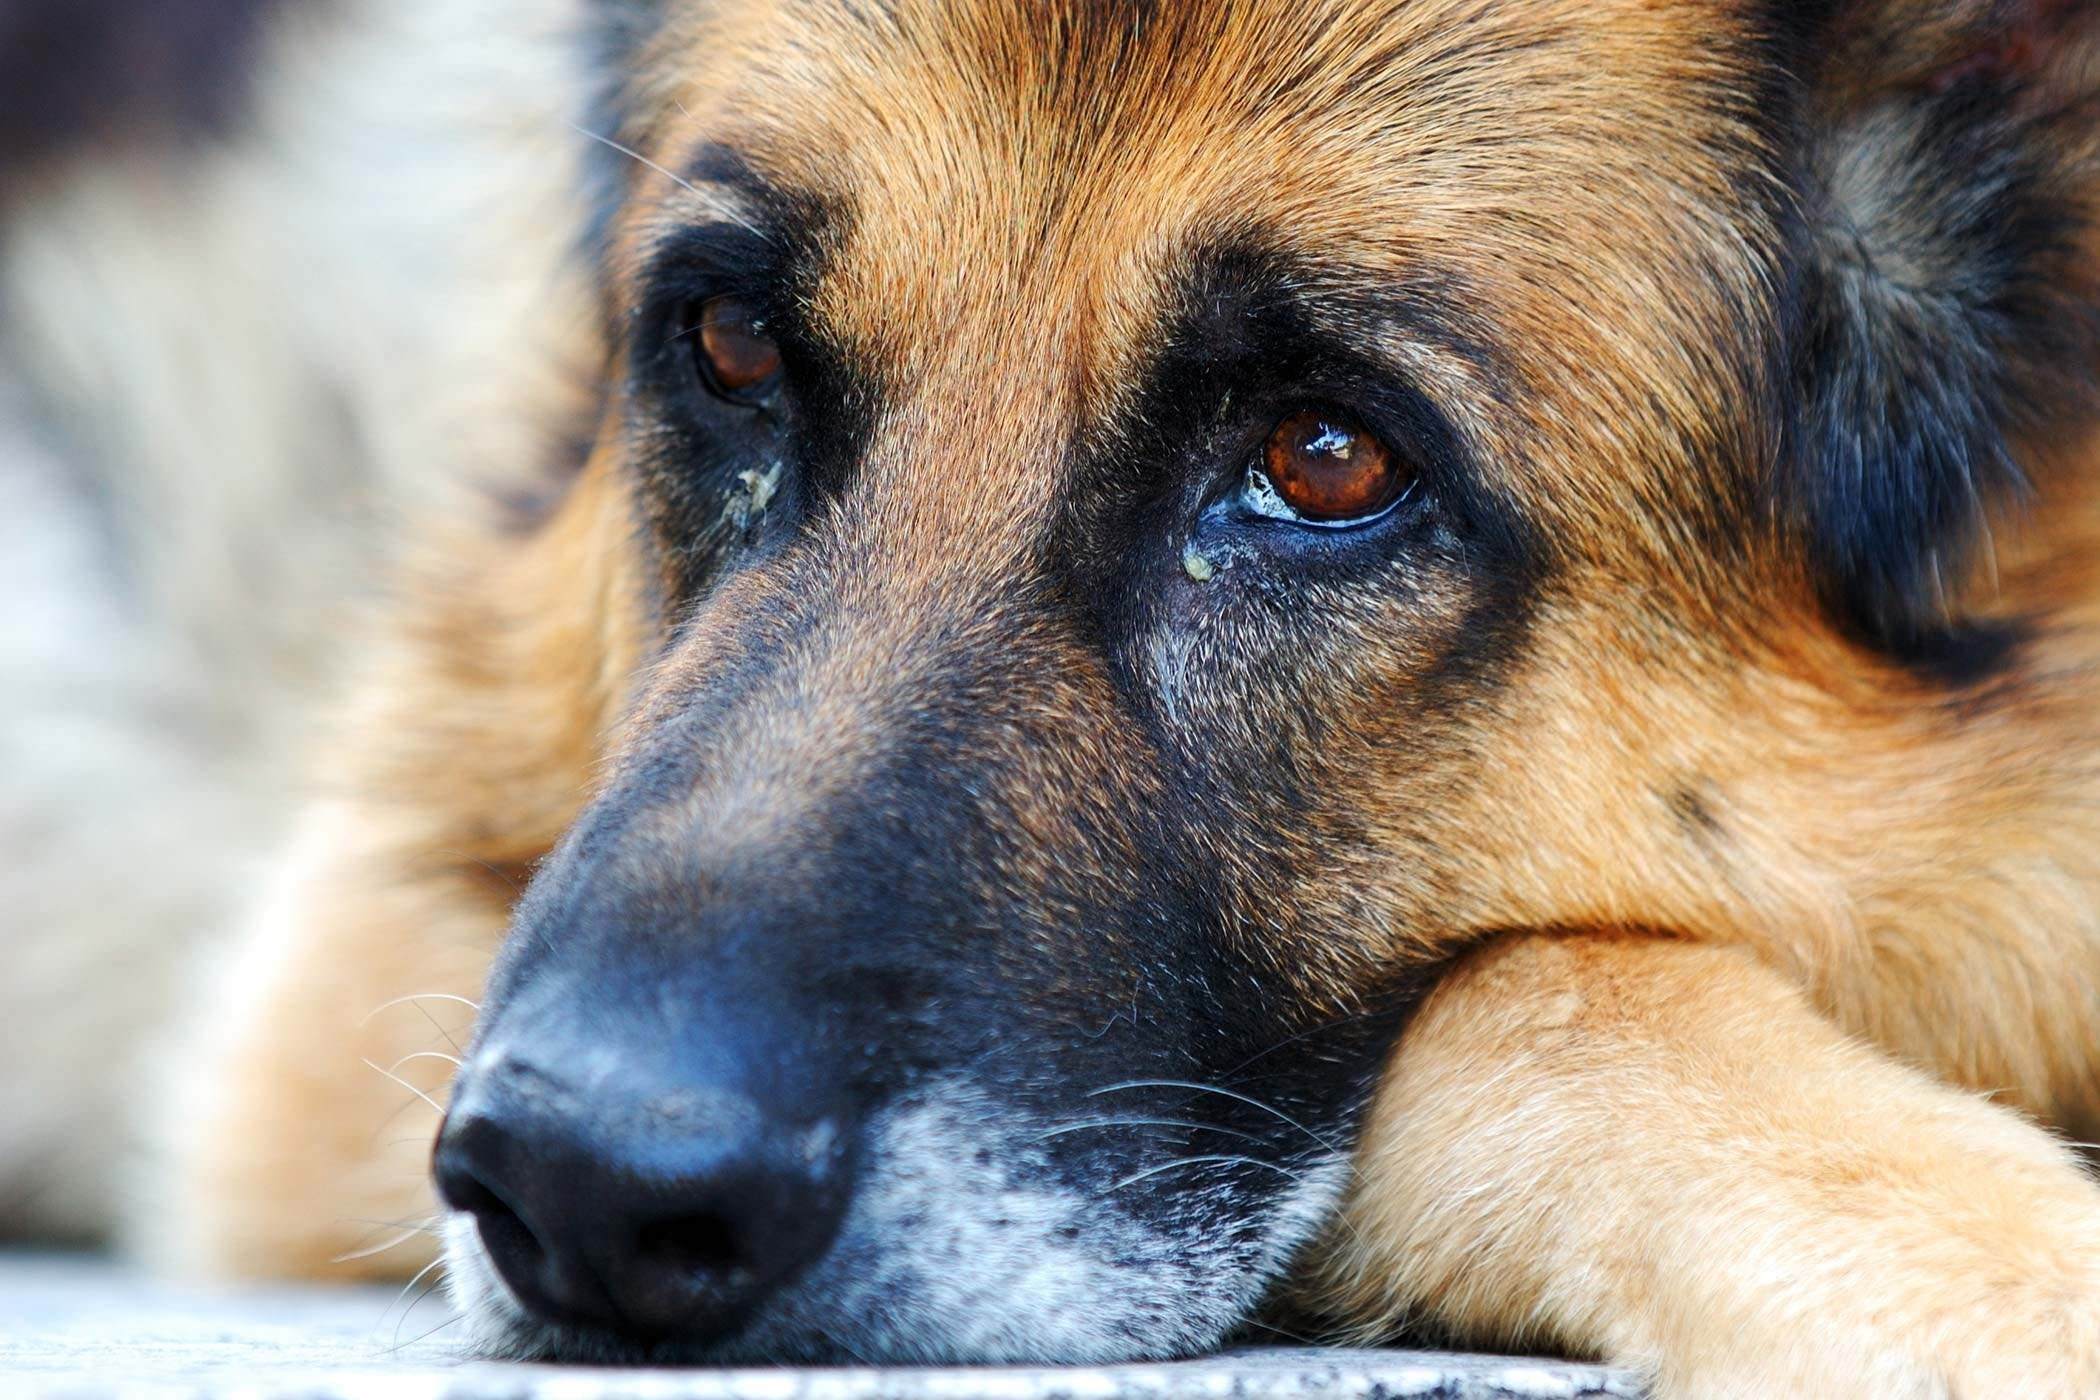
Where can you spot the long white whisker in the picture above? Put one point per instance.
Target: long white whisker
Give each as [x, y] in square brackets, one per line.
[1147, 1123]
[637, 156]
[396, 1242]
[1338, 1218]
[673, 176]
[381, 1069]
[426, 1223]
[420, 1275]
[1199, 1161]
[421, 1336]
[398, 1343]
[439, 1026]
[473, 1006]
[1225, 1093]
[427, 1055]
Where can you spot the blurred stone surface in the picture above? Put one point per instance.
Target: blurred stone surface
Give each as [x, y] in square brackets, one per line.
[80, 1328]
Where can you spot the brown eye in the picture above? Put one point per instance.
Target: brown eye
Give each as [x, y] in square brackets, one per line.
[736, 358]
[1329, 467]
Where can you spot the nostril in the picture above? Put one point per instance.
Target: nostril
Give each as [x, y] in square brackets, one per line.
[704, 1244]
[504, 1233]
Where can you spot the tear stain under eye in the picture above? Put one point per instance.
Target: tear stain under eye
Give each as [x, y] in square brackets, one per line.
[1204, 564]
[748, 499]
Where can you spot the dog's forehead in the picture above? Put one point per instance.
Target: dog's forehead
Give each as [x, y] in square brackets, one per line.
[1027, 183]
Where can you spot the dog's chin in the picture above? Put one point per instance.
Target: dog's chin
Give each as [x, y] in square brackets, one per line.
[951, 1260]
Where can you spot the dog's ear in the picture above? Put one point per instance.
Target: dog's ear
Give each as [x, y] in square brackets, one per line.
[1943, 316]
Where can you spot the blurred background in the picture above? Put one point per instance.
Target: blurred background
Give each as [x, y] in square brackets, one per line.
[274, 274]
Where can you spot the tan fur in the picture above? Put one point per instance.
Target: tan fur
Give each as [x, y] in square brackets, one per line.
[1750, 1143]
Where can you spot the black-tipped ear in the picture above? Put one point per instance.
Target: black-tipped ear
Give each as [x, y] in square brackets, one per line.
[1943, 315]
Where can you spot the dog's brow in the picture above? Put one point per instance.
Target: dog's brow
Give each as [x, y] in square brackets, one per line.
[1429, 313]
[723, 185]
[1427, 321]
[727, 172]
[1425, 324]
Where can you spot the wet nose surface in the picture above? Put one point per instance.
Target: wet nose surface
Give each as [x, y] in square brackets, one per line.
[659, 1211]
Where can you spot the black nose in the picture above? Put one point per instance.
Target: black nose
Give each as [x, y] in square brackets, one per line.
[657, 1210]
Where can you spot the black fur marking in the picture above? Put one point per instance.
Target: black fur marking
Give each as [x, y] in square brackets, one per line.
[76, 72]
[1691, 804]
[1965, 656]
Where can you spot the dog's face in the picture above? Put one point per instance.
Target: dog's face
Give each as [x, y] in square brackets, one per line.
[1161, 514]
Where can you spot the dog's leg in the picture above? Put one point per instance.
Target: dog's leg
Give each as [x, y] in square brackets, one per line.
[1658, 1152]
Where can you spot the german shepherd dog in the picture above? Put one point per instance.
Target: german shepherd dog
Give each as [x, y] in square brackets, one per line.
[1425, 662]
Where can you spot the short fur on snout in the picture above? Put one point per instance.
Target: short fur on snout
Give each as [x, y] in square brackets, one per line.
[1634, 895]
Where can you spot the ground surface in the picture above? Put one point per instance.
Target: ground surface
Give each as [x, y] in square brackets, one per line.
[72, 1328]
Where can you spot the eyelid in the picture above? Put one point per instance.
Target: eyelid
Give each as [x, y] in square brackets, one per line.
[697, 261]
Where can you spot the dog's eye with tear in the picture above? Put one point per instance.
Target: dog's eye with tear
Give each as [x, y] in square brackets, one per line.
[1325, 468]
[733, 356]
